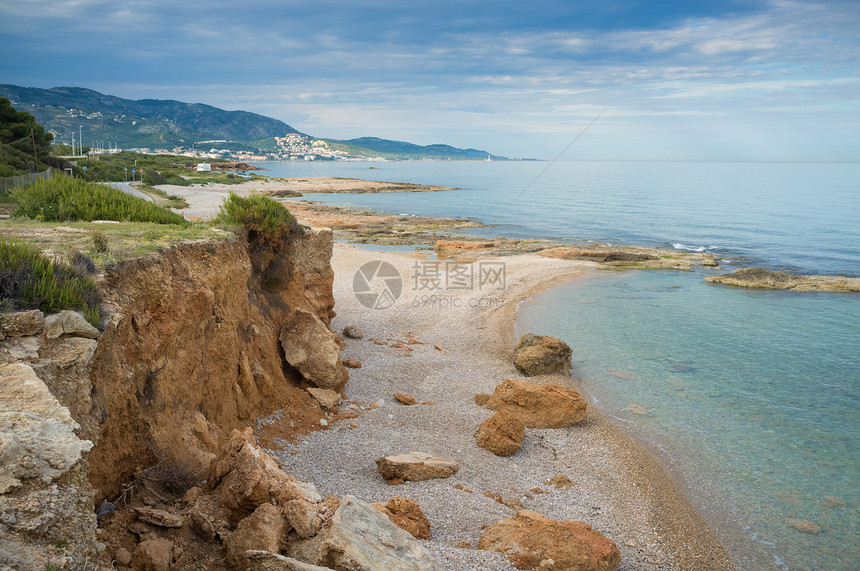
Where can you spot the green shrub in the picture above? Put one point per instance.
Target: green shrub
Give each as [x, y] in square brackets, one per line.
[63, 199]
[100, 242]
[29, 280]
[261, 215]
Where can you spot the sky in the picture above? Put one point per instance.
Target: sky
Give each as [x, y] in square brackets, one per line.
[725, 80]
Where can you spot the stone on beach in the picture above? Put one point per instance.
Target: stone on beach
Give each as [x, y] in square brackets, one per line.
[327, 398]
[502, 434]
[353, 332]
[415, 466]
[533, 541]
[542, 355]
[311, 349]
[538, 406]
[406, 514]
[403, 398]
[360, 538]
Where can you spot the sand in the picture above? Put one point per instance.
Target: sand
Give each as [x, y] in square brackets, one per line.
[618, 487]
[466, 336]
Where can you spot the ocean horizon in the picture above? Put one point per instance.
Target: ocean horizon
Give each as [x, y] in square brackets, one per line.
[752, 394]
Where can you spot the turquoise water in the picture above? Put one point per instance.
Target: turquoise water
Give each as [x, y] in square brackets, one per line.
[753, 394]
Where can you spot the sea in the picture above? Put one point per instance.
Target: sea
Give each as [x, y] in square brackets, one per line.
[751, 397]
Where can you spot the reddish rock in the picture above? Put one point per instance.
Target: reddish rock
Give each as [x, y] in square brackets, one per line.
[560, 481]
[502, 434]
[265, 529]
[530, 540]
[310, 347]
[406, 514]
[537, 355]
[481, 399]
[415, 466]
[403, 398]
[352, 363]
[538, 406]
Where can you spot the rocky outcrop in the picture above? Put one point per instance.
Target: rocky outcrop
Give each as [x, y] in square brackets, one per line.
[415, 466]
[538, 406]
[21, 323]
[192, 349]
[502, 434]
[542, 355]
[760, 278]
[360, 538]
[44, 493]
[632, 257]
[533, 541]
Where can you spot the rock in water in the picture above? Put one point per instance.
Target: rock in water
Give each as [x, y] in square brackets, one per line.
[530, 540]
[415, 466]
[311, 349]
[537, 355]
[502, 434]
[538, 406]
[360, 538]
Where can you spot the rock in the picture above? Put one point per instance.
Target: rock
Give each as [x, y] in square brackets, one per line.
[265, 529]
[833, 501]
[327, 398]
[202, 525]
[69, 322]
[560, 481]
[636, 409]
[245, 477]
[537, 355]
[762, 278]
[502, 434]
[481, 399]
[403, 398]
[352, 363]
[360, 538]
[159, 518]
[303, 517]
[453, 247]
[267, 561]
[529, 538]
[122, 556]
[21, 323]
[37, 434]
[415, 466]
[153, 555]
[406, 514]
[804, 526]
[311, 349]
[353, 332]
[538, 406]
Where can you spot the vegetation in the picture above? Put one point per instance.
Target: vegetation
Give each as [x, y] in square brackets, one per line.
[24, 144]
[29, 280]
[261, 215]
[62, 198]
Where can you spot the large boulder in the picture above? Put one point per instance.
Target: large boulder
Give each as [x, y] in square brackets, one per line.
[265, 530]
[542, 355]
[502, 434]
[360, 538]
[538, 406]
[533, 541]
[310, 347]
[415, 466]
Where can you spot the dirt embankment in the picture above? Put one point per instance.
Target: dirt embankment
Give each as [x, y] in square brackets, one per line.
[191, 351]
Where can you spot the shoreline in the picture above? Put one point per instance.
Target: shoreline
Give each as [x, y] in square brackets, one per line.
[620, 487]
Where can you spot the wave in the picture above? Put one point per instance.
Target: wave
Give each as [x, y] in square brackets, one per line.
[679, 246]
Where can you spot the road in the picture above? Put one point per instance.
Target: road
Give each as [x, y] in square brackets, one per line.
[128, 189]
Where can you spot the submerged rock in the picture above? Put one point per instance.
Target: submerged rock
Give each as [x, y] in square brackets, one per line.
[542, 355]
[762, 278]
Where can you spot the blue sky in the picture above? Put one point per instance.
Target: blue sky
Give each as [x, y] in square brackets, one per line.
[692, 80]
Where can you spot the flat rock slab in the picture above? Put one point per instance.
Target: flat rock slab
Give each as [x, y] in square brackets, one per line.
[160, 518]
[415, 466]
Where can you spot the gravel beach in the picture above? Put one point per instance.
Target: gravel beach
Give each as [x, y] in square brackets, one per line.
[464, 349]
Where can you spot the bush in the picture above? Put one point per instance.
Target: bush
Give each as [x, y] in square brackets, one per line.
[29, 280]
[261, 215]
[61, 199]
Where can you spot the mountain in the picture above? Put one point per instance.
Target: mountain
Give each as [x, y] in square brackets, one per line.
[106, 120]
[68, 111]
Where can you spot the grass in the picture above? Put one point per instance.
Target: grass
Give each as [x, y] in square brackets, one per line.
[261, 215]
[162, 198]
[30, 280]
[61, 198]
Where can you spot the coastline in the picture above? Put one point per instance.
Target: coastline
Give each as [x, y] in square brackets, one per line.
[620, 488]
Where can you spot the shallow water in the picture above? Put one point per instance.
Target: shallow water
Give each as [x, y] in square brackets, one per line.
[754, 394]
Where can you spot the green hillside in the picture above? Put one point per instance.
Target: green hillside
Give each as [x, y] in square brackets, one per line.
[385, 148]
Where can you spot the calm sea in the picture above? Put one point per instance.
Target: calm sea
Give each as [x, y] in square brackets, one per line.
[754, 395]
